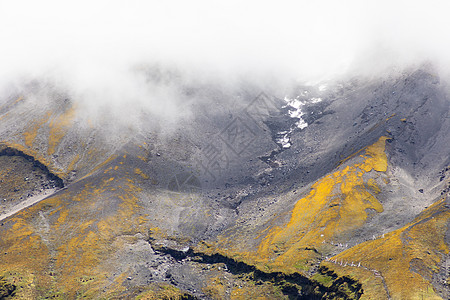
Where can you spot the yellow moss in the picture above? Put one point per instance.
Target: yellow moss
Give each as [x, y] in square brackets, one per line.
[80, 239]
[390, 117]
[240, 287]
[32, 130]
[58, 128]
[406, 258]
[73, 163]
[337, 205]
[108, 160]
[366, 277]
[37, 156]
[144, 159]
[20, 98]
[117, 285]
[24, 258]
[215, 288]
[142, 174]
[248, 289]
[62, 217]
[371, 183]
[376, 159]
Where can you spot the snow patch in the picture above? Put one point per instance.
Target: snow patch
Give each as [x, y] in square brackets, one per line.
[296, 111]
[323, 87]
[284, 140]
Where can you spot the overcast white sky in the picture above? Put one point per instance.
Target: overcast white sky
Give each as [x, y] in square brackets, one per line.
[91, 46]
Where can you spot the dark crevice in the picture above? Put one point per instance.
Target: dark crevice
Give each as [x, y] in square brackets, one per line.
[294, 286]
[276, 124]
[7, 290]
[269, 159]
[282, 126]
[8, 151]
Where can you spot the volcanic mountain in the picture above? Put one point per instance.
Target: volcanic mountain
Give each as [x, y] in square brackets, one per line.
[327, 191]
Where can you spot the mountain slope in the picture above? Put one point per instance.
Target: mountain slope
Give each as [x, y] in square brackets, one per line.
[337, 191]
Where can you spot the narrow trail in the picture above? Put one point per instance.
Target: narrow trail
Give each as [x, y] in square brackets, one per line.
[27, 203]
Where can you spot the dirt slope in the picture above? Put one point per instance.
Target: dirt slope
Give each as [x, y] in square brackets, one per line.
[332, 192]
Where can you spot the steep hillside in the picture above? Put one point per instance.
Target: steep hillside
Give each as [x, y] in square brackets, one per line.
[335, 191]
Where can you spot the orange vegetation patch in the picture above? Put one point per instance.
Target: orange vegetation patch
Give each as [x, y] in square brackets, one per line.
[405, 259]
[59, 245]
[140, 173]
[336, 206]
[32, 131]
[58, 128]
[36, 155]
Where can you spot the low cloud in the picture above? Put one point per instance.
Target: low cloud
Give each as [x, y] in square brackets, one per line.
[133, 55]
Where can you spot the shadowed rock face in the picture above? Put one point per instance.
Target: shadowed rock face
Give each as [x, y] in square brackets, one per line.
[336, 191]
[23, 178]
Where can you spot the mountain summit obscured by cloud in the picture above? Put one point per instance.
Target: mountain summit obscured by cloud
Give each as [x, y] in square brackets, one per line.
[94, 50]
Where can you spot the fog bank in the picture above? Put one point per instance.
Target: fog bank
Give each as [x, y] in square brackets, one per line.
[100, 52]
